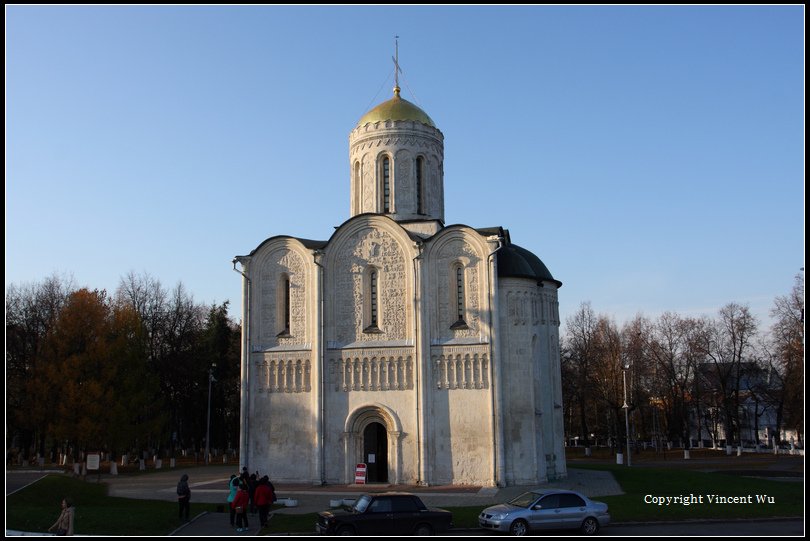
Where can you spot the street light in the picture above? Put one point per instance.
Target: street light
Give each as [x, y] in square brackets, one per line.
[211, 379]
[626, 408]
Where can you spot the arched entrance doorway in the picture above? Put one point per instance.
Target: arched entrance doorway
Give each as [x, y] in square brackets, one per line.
[373, 429]
[375, 452]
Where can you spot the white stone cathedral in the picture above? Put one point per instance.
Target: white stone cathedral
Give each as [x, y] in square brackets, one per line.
[428, 352]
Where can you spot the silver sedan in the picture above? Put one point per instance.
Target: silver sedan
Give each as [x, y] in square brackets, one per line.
[546, 510]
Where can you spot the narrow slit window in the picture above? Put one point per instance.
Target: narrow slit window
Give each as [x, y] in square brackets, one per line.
[283, 309]
[420, 166]
[386, 174]
[287, 305]
[460, 293]
[460, 302]
[357, 187]
[373, 309]
[372, 303]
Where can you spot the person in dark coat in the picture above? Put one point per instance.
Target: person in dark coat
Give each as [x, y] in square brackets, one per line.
[253, 481]
[184, 497]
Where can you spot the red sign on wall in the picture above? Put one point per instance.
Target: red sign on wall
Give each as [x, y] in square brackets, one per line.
[360, 474]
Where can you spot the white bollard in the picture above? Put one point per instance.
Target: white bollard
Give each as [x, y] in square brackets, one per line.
[619, 458]
[686, 454]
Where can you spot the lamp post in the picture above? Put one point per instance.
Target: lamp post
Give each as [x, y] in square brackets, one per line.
[626, 408]
[211, 379]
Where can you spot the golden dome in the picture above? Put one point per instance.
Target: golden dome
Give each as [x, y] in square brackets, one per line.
[396, 109]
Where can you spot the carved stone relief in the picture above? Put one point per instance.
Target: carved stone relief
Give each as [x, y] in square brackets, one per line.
[518, 307]
[550, 307]
[370, 247]
[453, 252]
[402, 140]
[368, 185]
[436, 203]
[403, 182]
[284, 375]
[279, 263]
[532, 307]
[457, 370]
[383, 372]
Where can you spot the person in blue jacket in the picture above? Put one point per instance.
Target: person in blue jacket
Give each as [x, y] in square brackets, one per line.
[233, 485]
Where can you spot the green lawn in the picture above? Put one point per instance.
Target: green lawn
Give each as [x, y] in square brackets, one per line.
[630, 507]
[36, 507]
[642, 482]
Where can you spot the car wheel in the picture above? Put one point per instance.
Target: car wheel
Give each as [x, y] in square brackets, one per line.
[345, 530]
[519, 527]
[590, 526]
[423, 529]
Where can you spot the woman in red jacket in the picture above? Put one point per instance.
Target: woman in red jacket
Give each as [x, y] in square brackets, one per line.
[240, 506]
[264, 498]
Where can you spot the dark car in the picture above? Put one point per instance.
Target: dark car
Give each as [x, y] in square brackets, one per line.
[546, 510]
[385, 514]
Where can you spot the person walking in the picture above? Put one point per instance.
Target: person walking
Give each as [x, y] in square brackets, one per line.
[184, 497]
[253, 481]
[64, 524]
[233, 486]
[264, 498]
[240, 506]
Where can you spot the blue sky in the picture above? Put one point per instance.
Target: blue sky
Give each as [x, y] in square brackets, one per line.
[652, 157]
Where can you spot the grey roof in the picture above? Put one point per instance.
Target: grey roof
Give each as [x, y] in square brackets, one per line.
[516, 262]
[308, 243]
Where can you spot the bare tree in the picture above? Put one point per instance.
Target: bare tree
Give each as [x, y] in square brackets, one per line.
[787, 339]
[580, 346]
[634, 335]
[670, 350]
[606, 376]
[697, 329]
[727, 344]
